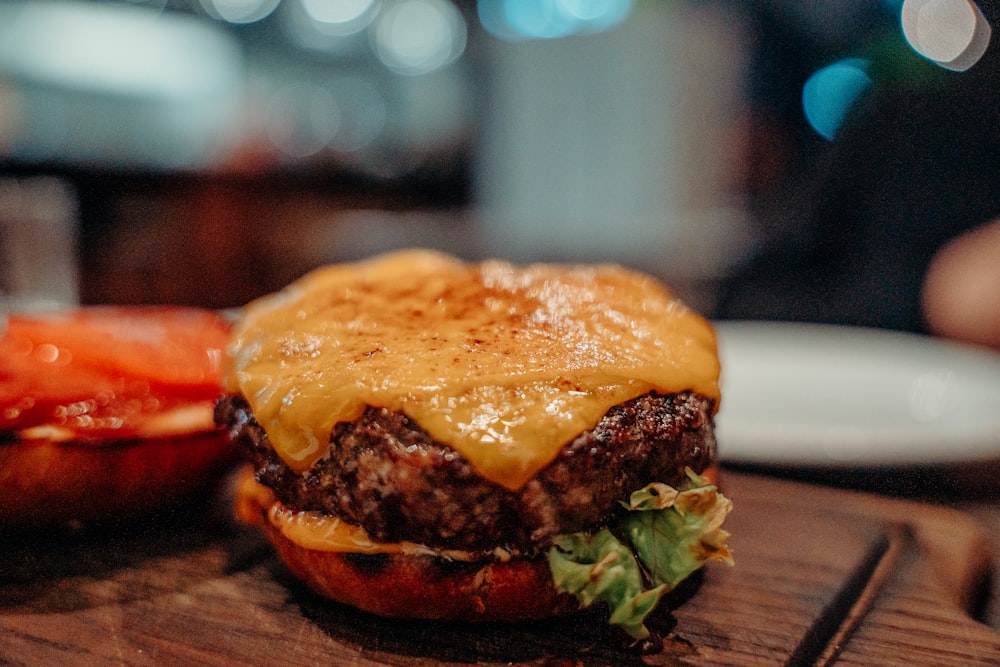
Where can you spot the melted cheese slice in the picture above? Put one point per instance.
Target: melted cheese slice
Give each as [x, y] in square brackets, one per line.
[505, 363]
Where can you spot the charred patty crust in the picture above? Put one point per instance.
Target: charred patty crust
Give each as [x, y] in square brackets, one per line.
[386, 474]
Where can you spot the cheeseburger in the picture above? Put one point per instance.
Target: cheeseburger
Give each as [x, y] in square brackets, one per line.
[480, 442]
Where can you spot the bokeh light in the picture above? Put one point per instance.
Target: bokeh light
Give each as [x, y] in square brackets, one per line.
[830, 93]
[952, 33]
[239, 11]
[328, 26]
[415, 37]
[340, 17]
[302, 119]
[114, 49]
[363, 112]
[342, 114]
[515, 20]
[117, 84]
[158, 5]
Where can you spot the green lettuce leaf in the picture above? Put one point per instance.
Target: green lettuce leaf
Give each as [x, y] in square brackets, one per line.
[675, 533]
[598, 568]
[669, 533]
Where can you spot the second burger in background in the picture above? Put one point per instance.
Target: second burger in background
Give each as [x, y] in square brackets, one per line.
[480, 442]
[106, 412]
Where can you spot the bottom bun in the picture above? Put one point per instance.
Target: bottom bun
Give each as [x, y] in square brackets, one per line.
[422, 586]
[45, 482]
[415, 585]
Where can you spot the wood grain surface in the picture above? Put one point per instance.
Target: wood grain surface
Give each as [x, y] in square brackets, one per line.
[822, 577]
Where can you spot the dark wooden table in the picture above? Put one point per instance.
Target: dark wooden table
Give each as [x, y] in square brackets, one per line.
[822, 576]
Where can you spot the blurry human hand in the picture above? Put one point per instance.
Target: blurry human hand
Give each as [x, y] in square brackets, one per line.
[961, 290]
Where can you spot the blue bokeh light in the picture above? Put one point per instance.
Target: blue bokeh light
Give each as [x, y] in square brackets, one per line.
[830, 92]
[516, 20]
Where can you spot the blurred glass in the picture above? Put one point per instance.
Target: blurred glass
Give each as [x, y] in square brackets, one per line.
[38, 234]
[620, 146]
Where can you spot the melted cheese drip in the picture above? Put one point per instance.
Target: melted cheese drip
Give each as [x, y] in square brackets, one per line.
[506, 364]
[256, 503]
[320, 532]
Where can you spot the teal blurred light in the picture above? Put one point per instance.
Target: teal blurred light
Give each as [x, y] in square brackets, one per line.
[516, 20]
[831, 91]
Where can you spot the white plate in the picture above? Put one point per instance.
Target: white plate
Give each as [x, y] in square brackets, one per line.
[803, 394]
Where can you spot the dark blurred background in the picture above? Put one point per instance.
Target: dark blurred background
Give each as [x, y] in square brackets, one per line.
[206, 152]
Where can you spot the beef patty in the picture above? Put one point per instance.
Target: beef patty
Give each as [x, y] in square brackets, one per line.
[386, 474]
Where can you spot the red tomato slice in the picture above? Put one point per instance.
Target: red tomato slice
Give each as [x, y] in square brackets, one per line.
[103, 371]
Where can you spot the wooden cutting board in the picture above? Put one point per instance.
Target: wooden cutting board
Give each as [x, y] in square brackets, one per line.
[822, 577]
